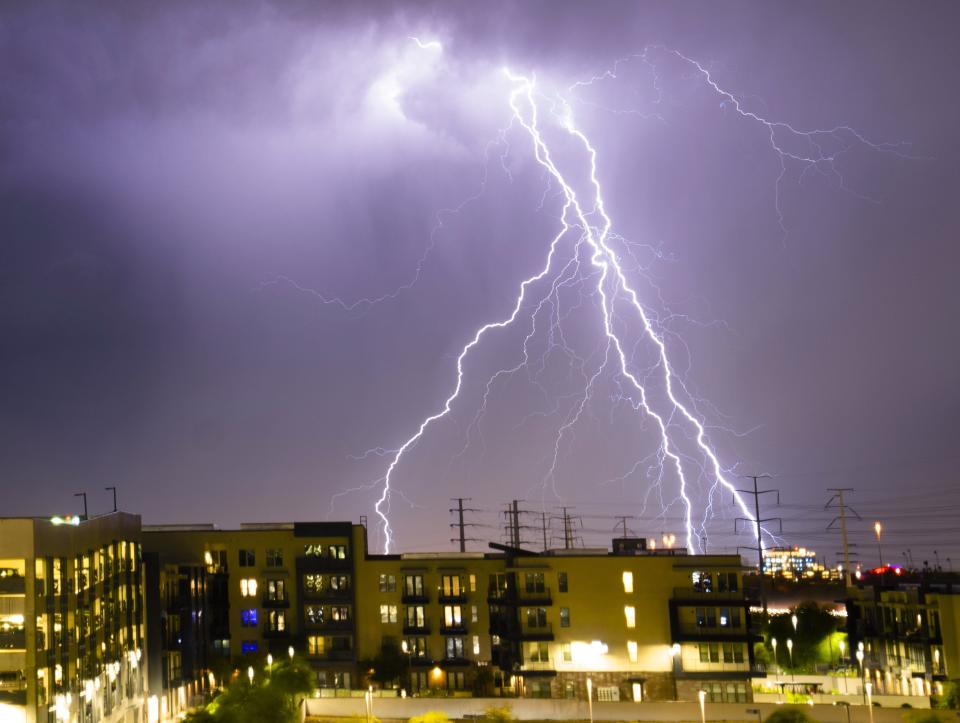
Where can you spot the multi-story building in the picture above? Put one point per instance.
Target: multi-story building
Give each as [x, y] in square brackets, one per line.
[262, 589]
[71, 620]
[642, 625]
[908, 623]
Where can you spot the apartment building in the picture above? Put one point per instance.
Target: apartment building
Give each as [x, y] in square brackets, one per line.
[908, 624]
[71, 620]
[640, 624]
[259, 590]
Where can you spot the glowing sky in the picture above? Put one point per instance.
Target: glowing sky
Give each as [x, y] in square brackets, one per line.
[185, 189]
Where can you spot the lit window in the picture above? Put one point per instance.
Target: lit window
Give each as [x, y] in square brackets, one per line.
[248, 618]
[388, 614]
[473, 583]
[628, 582]
[248, 587]
[564, 617]
[630, 612]
[476, 645]
[632, 650]
[474, 614]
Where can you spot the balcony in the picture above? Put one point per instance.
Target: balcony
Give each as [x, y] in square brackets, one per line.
[275, 602]
[327, 594]
[453, 629]
[688, 632]
[538, 632]
[534, 596]
[275, 634]
[334, 626]
[417, 597]
[323, 564]
[416, 629]
[13, 585]
[333, 656]
[452, 598]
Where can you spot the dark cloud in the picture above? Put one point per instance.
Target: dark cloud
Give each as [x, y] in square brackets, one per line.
[162, 162]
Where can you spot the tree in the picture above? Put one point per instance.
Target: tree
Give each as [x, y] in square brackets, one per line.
[274, 697]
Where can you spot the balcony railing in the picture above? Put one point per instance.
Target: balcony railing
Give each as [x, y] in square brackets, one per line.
[419, 597]
[451, 597]
[13, 639]
[536, 632]
[276, 601]
[453, 628]
[534, 596]
[689, 593]
[416, 628]
[13, 585]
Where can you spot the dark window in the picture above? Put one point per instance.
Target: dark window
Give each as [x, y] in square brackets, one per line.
[275, 557]
[533, 582]
[454, 647]
[388, 583]
[536, 617]
[564, 617]
[562, 581]
[247, 558]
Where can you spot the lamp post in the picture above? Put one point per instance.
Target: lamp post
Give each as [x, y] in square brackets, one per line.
[290, 652]
[675, 657]
[869, 689]
[773, 642]
[794, 620]
[843, 647]
[790, 650]
[878, 528]
[590, 698]
[860, 663]
[702, 695]
[250, 674]
[269, 665]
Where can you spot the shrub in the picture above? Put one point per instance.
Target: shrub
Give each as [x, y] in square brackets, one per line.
[498, 715]
[431, 716]
[789, 715]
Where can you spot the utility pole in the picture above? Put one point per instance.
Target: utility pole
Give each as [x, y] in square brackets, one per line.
[114, 496]
[623, 523]
[543, 524]
[567, 529]
[460, 523]
[837, 502]
[756, 492]
[84, 495]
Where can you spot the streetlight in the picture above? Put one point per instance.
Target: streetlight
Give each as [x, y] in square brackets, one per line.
[702, 695]
[869, 688]
[794, 620]
[269, 665]
[250, 674]
[878, 528]
[290, 652]
[590, 698]
[790, 650]
[773, 642]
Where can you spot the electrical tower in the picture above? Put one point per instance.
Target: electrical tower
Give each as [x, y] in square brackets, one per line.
[460, 524]
[837, 502]
[756, 492]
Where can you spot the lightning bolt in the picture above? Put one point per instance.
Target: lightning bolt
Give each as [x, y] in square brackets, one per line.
[657, 391]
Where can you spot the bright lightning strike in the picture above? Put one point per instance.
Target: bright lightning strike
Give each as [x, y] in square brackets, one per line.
[584, 252]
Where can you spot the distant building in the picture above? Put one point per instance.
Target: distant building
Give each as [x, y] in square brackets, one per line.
[71, 620]
[796, 563]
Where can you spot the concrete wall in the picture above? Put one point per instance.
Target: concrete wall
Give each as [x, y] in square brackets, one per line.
[526, 709]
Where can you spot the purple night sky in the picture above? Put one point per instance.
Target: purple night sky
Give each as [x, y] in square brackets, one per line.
[183, 185]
